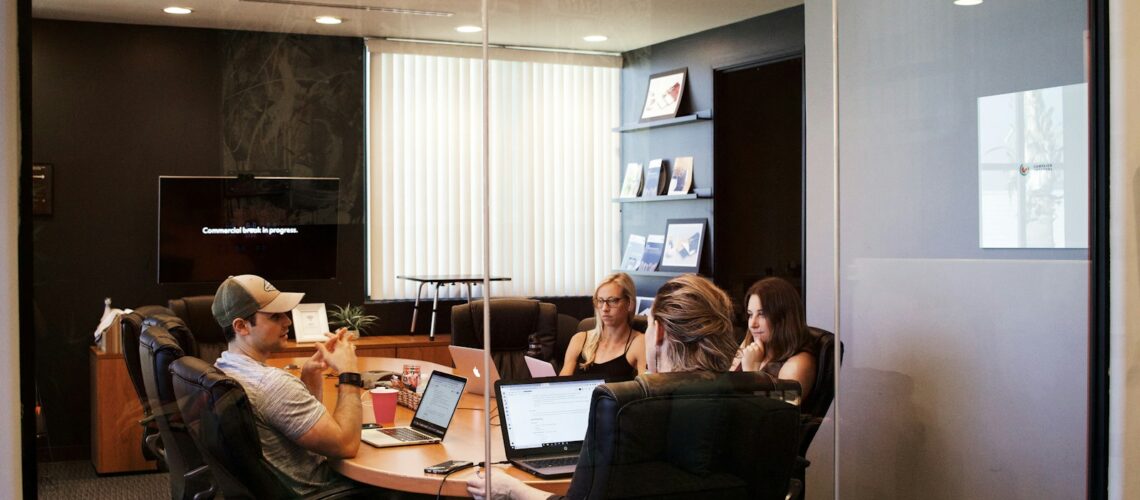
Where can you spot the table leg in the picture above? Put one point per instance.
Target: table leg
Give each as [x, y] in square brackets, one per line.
[434, 308]
[416, 308]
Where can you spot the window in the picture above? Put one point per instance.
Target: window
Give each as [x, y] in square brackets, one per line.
[553, 167]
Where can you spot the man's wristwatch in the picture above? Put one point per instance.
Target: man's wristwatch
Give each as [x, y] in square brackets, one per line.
[351, 378]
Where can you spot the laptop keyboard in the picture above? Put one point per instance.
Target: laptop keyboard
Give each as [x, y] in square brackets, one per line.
[404, 434]
[543, 463]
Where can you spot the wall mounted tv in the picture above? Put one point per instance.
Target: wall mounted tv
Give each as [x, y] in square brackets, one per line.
[280, 228]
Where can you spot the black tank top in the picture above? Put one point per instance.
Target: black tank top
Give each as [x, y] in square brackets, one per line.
[616, 369]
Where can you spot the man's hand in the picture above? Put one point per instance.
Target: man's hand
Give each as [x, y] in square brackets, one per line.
[338, 352]
[503, 487]
[312, 374]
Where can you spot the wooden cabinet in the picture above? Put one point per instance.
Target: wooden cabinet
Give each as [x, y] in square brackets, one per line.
[116, 436]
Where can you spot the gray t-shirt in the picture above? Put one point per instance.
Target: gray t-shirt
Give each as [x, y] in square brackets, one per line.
[285, 411]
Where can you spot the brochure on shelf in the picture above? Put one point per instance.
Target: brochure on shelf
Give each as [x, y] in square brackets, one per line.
[633, 250]
[631, 187]
[651, 257]
[682, 178]
[656, 178]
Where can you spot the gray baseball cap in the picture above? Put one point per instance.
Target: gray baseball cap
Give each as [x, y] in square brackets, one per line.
[241, 296]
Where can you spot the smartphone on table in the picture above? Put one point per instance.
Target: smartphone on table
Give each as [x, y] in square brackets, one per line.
[448, 466]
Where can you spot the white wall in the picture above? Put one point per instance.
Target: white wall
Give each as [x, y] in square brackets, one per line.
[1124, 147]
[10, 466]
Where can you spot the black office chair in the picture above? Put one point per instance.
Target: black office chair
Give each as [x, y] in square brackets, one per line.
[814, 407]
[219, 416]
[567, 327]
[689, 435]
[639, 323]
[164, 339]
[130, 326]
[514, 324]
[196, 314]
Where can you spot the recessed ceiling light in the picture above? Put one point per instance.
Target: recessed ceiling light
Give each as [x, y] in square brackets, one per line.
[967, 2]
[177, 10]
[595, 38]
[468, 29]
[328, 20]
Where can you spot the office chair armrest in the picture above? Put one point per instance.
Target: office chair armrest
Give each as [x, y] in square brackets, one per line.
[795, 489]
[154, 443]
[209, 492]
[145, 421]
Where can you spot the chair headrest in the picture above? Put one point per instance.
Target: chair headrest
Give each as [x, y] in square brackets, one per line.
[176, 328]
[639, 323]
[704, 383]
[195, 312]
[513, 320]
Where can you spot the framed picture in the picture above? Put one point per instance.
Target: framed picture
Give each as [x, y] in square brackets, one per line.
[643, 305]
[310, 322]
[683, 241]
[663, 98]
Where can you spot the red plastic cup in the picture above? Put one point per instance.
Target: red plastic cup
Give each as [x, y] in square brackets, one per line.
[384, 405]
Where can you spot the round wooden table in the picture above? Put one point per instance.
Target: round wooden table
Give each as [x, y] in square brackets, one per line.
[402, 467]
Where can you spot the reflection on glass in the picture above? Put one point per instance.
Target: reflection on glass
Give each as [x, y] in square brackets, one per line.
[1032, 162]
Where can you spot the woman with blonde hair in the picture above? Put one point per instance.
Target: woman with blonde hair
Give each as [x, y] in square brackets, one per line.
[778, 340]
[612, 348]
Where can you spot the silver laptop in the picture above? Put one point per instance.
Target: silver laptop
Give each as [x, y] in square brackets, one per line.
[469, 363]
[539, 368]
[432, 418]
[544, 422]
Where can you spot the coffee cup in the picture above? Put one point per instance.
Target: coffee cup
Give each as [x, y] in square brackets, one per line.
[384, 405]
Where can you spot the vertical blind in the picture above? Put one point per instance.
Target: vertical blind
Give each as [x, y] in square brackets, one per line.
[553, 168]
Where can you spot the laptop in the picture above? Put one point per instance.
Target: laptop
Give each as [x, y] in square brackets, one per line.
[539, 368]
[544, 422]
[429, 425]
[469, 363]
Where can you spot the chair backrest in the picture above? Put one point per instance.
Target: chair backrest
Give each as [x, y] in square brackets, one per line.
[158, 348]
[130, 327]
[219, 417]
[513, 322]
[195, 312]
[567, 327]
[689, 435]
[639, 323]
[815, 406]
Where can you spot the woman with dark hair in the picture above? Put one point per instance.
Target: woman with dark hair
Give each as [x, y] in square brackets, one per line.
[778, 340]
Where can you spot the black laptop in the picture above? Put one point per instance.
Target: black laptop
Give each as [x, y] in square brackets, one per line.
[544, 421]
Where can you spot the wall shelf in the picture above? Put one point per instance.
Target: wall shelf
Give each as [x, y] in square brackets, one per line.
[704, 115]
[641, 199]
[660, 274]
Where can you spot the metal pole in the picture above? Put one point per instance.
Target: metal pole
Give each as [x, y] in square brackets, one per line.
[835, 228]
[486, 257]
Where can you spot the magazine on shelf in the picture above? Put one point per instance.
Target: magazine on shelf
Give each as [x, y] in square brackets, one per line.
[682, 178]
[651, 257]
[631, 188]
[656, 178]
[633, 250]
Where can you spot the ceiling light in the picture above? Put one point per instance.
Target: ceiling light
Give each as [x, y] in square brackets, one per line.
[468, 29]
[177, 10]
[967, 2]
[595, 38]
[328, 20]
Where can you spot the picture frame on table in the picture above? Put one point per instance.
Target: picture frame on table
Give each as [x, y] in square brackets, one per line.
[310, 322]
[684, 239]
[664, 95]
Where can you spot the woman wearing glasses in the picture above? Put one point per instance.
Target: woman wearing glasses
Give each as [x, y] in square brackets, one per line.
[613, 348]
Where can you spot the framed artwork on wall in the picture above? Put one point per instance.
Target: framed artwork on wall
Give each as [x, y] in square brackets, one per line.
[683, 241]
[663, 97]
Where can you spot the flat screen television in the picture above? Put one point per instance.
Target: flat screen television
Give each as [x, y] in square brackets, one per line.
[280, 228]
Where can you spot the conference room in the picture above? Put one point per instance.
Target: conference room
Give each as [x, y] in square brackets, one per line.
[918, 173]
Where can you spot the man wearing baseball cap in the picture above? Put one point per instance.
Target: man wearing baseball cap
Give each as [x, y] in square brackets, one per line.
[296, 432]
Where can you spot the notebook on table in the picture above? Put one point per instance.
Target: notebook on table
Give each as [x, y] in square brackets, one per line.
[429, 425]
[544, 422]
[469, 363]
[539, 368]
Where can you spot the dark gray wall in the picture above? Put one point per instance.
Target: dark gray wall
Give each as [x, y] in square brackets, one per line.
[752, 40]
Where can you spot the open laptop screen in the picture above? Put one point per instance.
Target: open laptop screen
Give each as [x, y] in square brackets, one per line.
[545, 414]
[438, 403]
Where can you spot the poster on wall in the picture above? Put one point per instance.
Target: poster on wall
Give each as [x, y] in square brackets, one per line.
[1033, 168]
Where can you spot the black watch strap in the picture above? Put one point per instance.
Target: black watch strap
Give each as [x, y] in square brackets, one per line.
[351, 378]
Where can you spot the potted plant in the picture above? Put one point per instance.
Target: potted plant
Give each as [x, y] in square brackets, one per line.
[351, 317]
